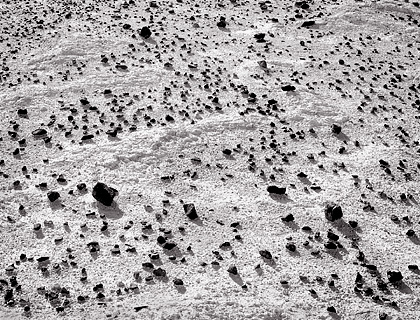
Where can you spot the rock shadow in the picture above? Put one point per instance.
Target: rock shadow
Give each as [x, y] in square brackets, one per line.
[281, 198]
[292, 225]
[344, 228]
[237, 279]
[403, 288]
[56, 205]
[181, 289]
[112, 212]
[415, 239]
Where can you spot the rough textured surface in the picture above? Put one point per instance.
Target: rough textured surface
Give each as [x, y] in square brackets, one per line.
[211, 104]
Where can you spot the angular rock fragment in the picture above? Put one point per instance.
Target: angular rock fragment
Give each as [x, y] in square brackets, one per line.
[178, 282]
[190, 211]
[53, 195]
[394, 276]
[276, 190]
[39, 132]
[333, 212]
[145, 32]
[308, 23]
[233, 270]
[336, 129]
[159, 272]
[104, 194]
[266, 254]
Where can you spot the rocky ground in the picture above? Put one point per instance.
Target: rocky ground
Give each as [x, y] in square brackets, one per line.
[209, 159]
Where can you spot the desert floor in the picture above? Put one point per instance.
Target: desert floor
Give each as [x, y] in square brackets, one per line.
[210, 103]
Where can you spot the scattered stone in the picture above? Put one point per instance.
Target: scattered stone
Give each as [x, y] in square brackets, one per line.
[394, 276]
[288, 88]
[276, 190]
[288, 218]
[159, 272]
[53, 195]
[336, 129]
[291, 247]
[178, 282]
[266, 254]
[145, 32]
[39, 132]
[190, 211]
[233, 270]
[353, 224]
[104, 194]
[308, 23]
[333, 212]
[331, 309]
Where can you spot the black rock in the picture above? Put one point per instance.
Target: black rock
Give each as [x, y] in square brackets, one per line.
[353, 224]
[159, 272]
[126, 26]
[266, 254]
[39, 132]
[259, 36]
[87, 137]
[288, 87]
[145, 32]
[161, 240]
[84, 101]
[331, 309]
[291, 247]
[383, 316]
[222, 24]
[336, 129]
[288, 218]
[9, 295]
[302, 175]
[413, 267]
[137, 309]
[22, 112]
[169, 245]
[227, 152]
[233, 270]
[104, 194]
[169, 118]
[190, 211]
[147, 265]
[333, 212]
[276, 190]
[330, 245]
[308, 23]
[394, 276]
[53, 195]
[81, 186]
[178, 282]
[332, 236]
[410, 233]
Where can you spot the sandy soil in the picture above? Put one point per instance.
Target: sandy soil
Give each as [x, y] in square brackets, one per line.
[223, 100]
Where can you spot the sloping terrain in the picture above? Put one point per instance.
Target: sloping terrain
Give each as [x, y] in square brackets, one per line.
[210, 103]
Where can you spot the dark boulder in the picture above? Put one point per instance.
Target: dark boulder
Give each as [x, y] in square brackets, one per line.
[288, 87]
[276, 190]
[145, 32]
[53, 195]
[333, 212]
[39, 132]
[190, 211]
[266, 254]
[233, 270]
[394, 276]
[104, 194]
[308, 23]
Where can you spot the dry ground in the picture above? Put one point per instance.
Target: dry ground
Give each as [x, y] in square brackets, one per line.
[190, 91]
